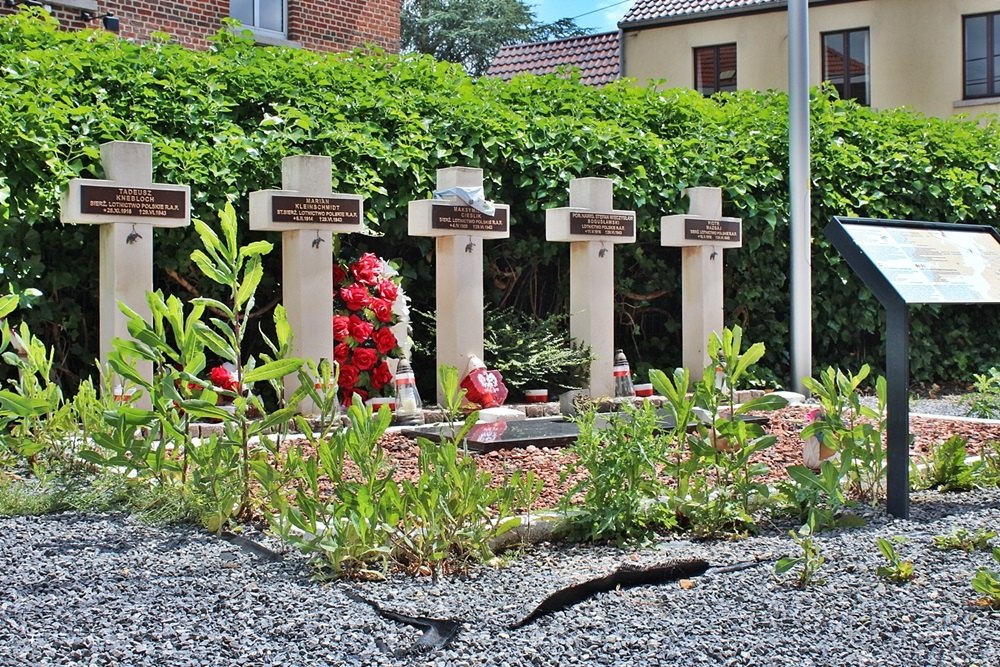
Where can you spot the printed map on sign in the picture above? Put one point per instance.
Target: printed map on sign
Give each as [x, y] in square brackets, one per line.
[934, 265]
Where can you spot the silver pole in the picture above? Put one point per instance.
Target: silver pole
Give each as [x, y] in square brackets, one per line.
[799, 180]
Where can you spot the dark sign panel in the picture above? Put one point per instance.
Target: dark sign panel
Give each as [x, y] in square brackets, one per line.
[140, 202]
[316, 210]
[468, 219]
[592, 223]
[711, 231]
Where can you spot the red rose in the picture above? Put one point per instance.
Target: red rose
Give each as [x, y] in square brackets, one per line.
[382, 309]
[340, 327]
[388, 290]
[348, 376]
[385, 340]
[340, 352]
[367, 269]
[223, 378]
[360, 330]
[364, 358]
[381, 376]
[355, 296]
[339, 276]
[360, 392]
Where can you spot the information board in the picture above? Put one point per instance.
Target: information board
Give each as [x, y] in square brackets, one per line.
[933, 265]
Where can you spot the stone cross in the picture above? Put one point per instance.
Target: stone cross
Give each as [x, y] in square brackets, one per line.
[591, 224]
[126, 207]
[701, 235]
[459, 231]
[307, 213]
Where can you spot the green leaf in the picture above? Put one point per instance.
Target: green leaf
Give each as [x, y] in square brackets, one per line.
[273, 370]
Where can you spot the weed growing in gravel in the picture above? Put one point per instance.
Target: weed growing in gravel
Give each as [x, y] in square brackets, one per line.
[946, 468]
[809, 561]
[898, 570]
[963, 540]
[987, 582]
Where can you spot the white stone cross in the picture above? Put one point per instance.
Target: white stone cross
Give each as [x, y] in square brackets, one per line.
[126, 206]
[459, 231]
[590, 224]
[307, 213]
[701, 234]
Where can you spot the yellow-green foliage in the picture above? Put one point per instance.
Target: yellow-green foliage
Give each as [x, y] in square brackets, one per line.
[221, 120]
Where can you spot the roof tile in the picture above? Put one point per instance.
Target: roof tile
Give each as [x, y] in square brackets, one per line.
[653, 10]
[596, 56]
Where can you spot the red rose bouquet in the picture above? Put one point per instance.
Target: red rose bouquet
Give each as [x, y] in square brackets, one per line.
[367, 304]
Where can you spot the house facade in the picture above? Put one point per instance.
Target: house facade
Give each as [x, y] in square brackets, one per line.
[939, 57]
[317, 25]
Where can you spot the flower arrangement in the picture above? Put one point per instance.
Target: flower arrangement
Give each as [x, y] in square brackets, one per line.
[367, 303]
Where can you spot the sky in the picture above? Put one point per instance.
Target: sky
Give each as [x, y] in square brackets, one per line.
[601, 15]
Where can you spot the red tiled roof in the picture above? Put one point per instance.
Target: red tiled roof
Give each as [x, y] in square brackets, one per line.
[650, 11]
[596, 56]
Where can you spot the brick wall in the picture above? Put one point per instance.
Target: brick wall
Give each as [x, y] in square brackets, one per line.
[318, 25]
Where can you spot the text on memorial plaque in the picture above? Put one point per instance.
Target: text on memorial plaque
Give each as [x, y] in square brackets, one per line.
[592, 223]
[468, 219]
[711, 230]
[316, 210]
[140, 202]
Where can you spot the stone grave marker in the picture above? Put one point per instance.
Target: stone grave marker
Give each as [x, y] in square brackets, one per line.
[307, 213]
[592, 226]
[126, 206]
[459, 231]
[701, 234]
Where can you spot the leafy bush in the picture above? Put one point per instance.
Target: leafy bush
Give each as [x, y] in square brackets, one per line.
[220, 121]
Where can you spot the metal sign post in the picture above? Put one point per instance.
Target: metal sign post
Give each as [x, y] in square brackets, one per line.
[906, 262]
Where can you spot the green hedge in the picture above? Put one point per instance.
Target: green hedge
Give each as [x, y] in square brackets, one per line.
[222, 120]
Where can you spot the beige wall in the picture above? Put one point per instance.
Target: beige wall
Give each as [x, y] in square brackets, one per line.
[916, 50]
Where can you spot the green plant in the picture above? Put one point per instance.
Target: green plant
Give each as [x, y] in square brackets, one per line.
[156, 443]
[962, 539]
[985, 403]
[852, 428]
[987, 582]
[359, 524]
[620, 453]
[946, 468]
[452, 512]
[727, 481]
[898, 570]
[810, 561]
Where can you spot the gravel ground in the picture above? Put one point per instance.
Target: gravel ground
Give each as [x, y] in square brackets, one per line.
[105, 590]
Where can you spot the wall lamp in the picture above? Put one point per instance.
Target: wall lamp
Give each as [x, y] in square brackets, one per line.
[110, 21]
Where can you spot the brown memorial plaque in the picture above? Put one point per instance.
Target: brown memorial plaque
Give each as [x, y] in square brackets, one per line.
[593, 223]
[316, 210]
[141, 202]
[468, 219]
[712, 230]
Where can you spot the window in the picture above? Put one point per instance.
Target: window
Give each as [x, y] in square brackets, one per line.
[845, 63]
[981, 42]
[264, 17]
[715, 68]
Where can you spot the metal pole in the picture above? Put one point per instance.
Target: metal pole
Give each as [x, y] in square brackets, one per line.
[799, 180]
[897, 362]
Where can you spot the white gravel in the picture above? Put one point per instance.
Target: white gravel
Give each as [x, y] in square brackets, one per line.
[104, 590]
